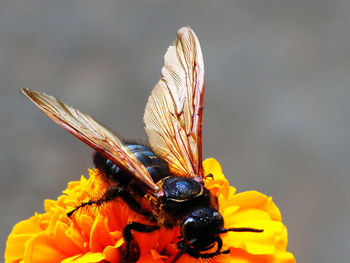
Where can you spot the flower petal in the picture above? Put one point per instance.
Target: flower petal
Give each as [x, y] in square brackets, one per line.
[21, 233]
[47, 247]
[95, 235]
[84, 258]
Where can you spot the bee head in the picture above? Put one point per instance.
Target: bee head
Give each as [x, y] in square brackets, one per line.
[202, 223]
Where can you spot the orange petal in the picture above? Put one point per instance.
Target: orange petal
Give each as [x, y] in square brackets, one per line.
[99, 238]
[111, 253]
[18, 237]
[65, 242]
[83, 227]
[95, 235]
[41, 248]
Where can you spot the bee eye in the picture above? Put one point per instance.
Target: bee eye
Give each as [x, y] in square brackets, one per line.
[188, 226]
[218, 218]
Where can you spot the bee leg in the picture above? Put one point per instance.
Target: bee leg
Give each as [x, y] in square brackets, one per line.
[211, 176]
[132, 250]
[196, 253]
[111, 194]
[183, 248]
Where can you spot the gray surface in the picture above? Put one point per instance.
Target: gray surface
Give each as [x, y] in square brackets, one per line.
[277, 107]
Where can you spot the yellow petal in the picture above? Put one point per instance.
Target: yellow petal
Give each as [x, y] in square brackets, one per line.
[84, 258]
[255, 200]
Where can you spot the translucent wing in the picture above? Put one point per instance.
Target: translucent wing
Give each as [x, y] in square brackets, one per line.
[92, 133]
[173, 114]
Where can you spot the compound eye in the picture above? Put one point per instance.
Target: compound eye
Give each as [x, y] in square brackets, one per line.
[218, 219]
[188, 226]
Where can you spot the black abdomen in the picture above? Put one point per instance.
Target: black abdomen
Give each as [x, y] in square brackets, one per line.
[157, 167]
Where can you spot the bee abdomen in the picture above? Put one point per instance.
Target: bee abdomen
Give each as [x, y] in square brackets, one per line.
[106, 166]
[157, 167]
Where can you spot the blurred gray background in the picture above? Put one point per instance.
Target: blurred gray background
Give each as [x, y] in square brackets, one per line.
[277, 105]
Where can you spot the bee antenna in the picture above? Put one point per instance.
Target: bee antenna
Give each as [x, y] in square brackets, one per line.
[69, 214]
[240, 229]
[183, 250]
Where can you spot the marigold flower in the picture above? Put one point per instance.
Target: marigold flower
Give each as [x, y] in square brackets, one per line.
[95, 235]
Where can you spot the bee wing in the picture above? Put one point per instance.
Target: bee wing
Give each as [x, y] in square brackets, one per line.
[173, 114]
[93, 134]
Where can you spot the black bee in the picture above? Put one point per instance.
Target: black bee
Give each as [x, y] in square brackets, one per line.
[168, 173]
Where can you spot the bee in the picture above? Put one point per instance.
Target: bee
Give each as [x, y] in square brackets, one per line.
[167, 173]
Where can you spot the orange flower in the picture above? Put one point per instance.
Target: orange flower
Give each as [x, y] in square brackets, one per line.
[95, 235]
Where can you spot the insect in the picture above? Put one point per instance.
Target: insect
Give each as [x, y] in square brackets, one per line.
[168, 173]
